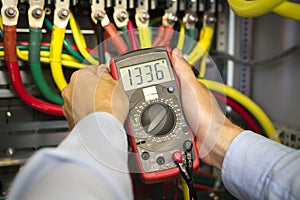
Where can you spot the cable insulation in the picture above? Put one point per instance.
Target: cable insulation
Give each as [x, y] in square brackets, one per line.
[10, 37]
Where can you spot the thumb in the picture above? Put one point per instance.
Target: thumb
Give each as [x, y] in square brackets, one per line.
[181, 67]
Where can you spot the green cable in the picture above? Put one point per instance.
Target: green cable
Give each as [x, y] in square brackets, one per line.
[35, 37]
[188, 43]
[125, 35]
[67, 45]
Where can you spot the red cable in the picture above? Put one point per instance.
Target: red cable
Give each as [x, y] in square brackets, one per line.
[116, 39]
[131, 35]
[241, 111]
[203, 187]
[166, 39]
[159, 36]
[10, 37]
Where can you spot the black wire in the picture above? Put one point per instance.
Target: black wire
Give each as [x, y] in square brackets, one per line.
[184, 172]
[222, 55]
[100, 38]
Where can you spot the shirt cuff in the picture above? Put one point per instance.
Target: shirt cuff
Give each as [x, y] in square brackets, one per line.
[247, 162]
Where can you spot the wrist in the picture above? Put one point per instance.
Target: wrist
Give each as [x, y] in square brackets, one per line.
[216, 155]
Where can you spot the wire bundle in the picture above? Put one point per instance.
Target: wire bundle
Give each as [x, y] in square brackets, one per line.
[63, 54]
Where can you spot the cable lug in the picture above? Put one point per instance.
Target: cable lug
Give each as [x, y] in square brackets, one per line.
[61, 13]
[10, 12]
[36, 13]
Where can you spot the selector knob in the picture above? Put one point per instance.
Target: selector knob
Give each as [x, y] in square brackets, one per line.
[158, 119]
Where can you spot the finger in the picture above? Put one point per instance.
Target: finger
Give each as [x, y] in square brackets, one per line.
[74, 76]
[180, 65]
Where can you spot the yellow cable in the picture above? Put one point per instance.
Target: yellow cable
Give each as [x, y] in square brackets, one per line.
[23, 55]
[185, 189]
[256, 8]
[1, 24]
[145, 37]
[288, 9]
[57, 38]
[203, 66]
[253, 8]
[80, 41]
[67, 60]
[202, 45]
[245, 101]
[181, 36]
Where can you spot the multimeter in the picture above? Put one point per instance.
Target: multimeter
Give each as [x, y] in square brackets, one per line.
[156, 124]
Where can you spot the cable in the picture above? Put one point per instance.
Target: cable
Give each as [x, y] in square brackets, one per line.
[202, 45]
[67, 60]
[252, 107]
[57, 38]
[159, 36]
[257, 8]
[79, 40]
[167, 37]
[180, 42]
[145, 38]
[116, 39]
[222, 55]
[10, 36]
[164, 36]
[289, 10]
[100, 39]
[131, 35]
[23, 55]
[177, 158]
[67, 46]
[241, 111]
[203, 66]
[191, 36]
[35, 37]
[125, 35]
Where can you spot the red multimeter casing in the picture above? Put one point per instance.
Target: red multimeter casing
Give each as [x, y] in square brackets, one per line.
[156, 124]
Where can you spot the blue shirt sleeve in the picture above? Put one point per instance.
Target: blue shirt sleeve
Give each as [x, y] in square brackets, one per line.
[255, 167]
[91, 163]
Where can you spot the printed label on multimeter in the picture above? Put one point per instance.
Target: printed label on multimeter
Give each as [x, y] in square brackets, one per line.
[156, 124]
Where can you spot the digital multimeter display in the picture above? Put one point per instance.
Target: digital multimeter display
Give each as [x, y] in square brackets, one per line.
[145, 74]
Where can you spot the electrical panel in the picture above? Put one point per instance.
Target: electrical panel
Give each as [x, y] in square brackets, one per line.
[44, 41]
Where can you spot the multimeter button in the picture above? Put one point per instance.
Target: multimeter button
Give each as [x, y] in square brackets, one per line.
[170, 89]
[160, 160]
[145, 155]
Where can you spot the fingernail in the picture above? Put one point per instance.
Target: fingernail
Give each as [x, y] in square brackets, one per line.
[177, 52]
[102, 68]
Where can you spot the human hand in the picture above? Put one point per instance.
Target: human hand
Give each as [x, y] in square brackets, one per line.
[92, 89]
[213, 131]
